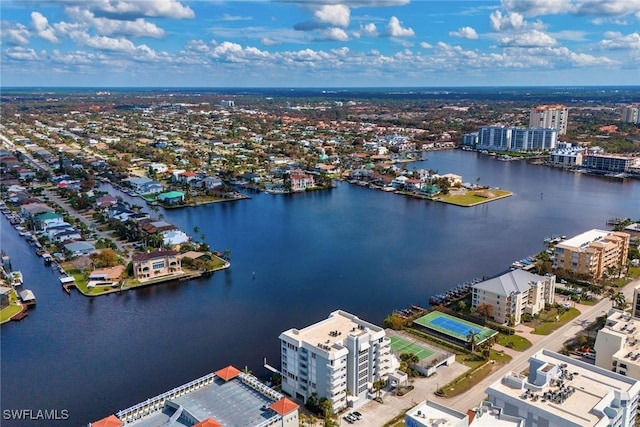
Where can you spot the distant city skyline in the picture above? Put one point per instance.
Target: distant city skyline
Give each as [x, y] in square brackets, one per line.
[322, 43]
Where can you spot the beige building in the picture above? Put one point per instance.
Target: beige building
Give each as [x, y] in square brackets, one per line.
[592, 252]
[515, 293]
[156, 264]
[550, 116]
[618, 344]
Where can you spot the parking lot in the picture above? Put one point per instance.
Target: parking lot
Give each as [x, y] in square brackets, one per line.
[375, 414]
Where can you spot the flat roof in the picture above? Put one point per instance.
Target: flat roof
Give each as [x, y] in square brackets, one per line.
[628, 327]
[333, 330]
[429, 413]
[585, 238]
[231, 403]
[592, 386]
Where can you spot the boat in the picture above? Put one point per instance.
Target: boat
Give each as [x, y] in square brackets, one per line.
[48, 259]
[16, 277]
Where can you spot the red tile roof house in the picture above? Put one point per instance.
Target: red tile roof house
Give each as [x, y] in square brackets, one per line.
[300, 181]
[152, 265]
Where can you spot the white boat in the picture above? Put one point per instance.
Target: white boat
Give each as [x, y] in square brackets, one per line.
[16, 277]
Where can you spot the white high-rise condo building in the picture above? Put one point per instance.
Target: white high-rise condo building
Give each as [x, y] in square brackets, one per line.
[338, 358]
[631, 114]
[516, 139]
[550, 116]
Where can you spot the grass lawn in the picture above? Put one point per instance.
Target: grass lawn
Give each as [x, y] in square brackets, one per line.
[480, 370]
[546, 324]
[8, 312]
[515, 342]
[474, 197]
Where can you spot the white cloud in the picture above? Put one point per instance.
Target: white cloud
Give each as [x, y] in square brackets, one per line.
[533, 38]
[21, 53]
[576, 36]
[334, 34]
[615, 40]
[369, 30]
[337, 15]
[132, 8]
[266, 41]
[426, 45]
[608, 7]
[120, 44]
[465, 33]
[537, 7]
[395, 29]
[42, 28]
[232, 18]
[108, 27]
[509, 21]
[14, 34]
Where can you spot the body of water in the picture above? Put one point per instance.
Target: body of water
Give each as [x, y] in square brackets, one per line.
[351, 248]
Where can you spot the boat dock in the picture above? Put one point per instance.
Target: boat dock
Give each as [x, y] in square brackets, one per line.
[458, 293]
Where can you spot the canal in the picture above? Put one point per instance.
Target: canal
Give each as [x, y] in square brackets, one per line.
[352, 248]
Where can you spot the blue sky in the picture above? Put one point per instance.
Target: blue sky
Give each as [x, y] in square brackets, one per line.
[323, 43]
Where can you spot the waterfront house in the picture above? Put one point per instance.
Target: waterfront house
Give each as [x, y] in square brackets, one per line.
[300, 181]
[171, 197]
[174, 238]
[47, 219]
[514, 294]
[32, 209]
[156, 264]
[106, 276]
[211, 182]
[80, 248]
[66, 234]
[145, 185]
[106, 201]
[4, 296]
[152, 227]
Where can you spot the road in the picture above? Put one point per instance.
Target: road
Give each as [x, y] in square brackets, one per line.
[520, 361]
[71, 211]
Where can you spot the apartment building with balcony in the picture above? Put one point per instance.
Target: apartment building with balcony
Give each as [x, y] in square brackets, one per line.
[338, 358]
[618, 343]
[500, 138]
[592, 252]
[513, 294]
[550, 116]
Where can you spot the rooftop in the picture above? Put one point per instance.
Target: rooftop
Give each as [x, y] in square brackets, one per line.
[514, 281]
[227, 397]
[430, 414]
[333, 330]
[628, 327]
[571, 389]
[585, 238]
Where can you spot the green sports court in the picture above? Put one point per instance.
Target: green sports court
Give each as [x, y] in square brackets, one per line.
[401, 346]
[453, 327]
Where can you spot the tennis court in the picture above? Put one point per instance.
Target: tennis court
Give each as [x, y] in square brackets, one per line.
[400, 346]
[454, 327]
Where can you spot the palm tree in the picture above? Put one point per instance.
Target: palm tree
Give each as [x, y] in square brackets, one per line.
[471, 339]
